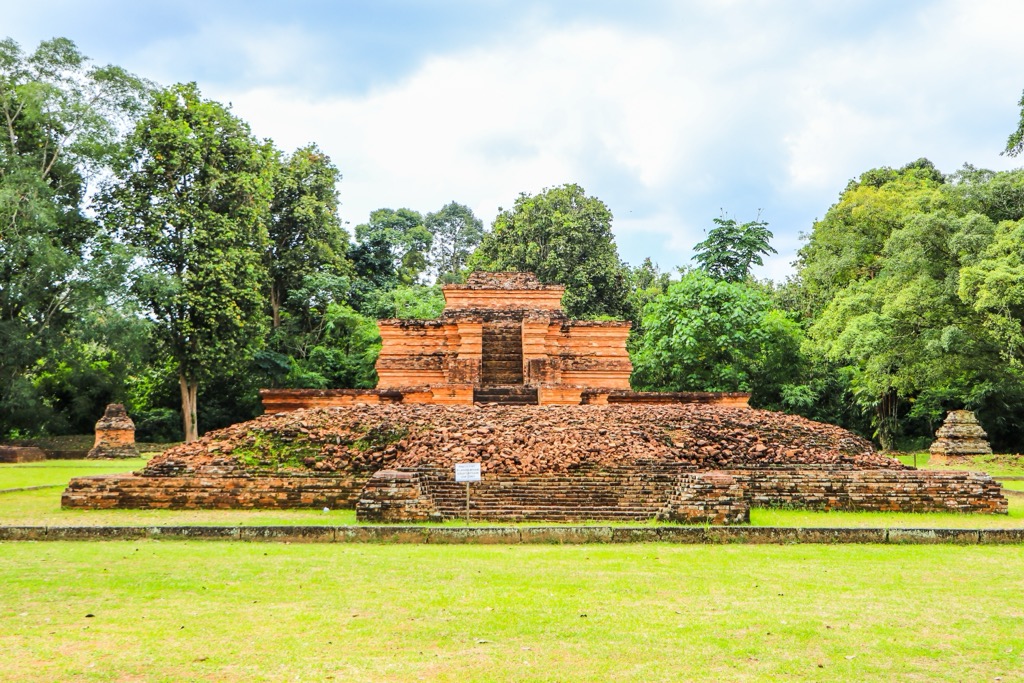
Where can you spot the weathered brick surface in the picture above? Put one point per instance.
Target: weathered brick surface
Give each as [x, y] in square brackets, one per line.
[395, 496]
[829, 488]
[21, 454]
[961, 434]
[706, 498]
[212, 492]
[115, 435]
[660, 490]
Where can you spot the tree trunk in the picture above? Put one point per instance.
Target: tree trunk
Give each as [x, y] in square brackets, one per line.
[886, 416]
[275, 306]
[189, 392]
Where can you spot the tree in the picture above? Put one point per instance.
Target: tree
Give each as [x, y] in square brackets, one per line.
[306, 236]
[892, 271]
[191, 194]
[59, 123]
[731, 249]
[457, 232]
[1015, 143]
[564, 237]
[846, 245]
[706, 334]
[401, 235]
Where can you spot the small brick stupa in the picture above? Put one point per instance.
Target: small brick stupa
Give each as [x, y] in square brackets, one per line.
[115, 435]
[961, 434]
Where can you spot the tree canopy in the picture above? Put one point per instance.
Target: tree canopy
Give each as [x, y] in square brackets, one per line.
[731, 249]
[191, 194]
[564, 237]
[456, 234]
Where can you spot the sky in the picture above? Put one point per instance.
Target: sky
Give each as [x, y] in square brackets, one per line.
[673, 113]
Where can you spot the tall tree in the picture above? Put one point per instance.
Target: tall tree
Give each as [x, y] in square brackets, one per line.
[1015, 143]
[846, 244]
[306, 236]
[730, 249]
[406, 240]
[191, 194]
[59, 122]
[707, 334]
[564, 237]
[457, 232]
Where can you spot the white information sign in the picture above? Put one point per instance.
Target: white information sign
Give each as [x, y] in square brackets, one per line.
[467, 471]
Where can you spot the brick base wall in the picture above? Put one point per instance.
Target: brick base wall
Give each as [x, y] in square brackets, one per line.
[186, 493]
[637, 493]
[707, 498]
[876, 490]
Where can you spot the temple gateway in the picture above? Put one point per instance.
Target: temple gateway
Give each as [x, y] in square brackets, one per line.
[503, 337]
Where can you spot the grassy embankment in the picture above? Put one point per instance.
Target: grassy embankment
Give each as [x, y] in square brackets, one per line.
[42, 507]
[160, 611]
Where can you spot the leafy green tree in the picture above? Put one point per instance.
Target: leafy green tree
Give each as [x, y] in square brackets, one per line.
[992, 284]
[884, 263]
[402, 237]
[191, 194]
[418, 302]
[1015, 143]
[60, 118]
[731, 249]
[306, 236]
[846, 245]
[457, 232]
[706, 334]
[564, 237]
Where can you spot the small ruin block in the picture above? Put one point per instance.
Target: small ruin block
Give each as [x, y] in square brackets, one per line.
[115, 435]
[961, 434]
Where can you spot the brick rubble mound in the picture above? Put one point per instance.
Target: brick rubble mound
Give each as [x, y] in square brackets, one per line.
[519, 439]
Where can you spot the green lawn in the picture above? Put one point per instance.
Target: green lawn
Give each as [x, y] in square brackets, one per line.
[930, 520]
[42, 507]
[50, 472]
[212, 611]
[997, 465]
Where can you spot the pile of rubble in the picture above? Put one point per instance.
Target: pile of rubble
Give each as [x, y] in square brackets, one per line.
[520, 439]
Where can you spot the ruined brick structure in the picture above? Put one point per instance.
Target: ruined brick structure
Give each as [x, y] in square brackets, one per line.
[591, 450]
[115, 435]
[504, 336]
[961, 434]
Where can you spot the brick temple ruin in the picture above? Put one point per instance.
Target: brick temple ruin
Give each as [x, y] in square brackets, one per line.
[544, 404]
[502, 338]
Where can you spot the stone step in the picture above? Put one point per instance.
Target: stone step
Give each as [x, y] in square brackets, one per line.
[506, 395]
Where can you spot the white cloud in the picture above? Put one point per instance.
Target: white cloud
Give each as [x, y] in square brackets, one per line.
[666, 123]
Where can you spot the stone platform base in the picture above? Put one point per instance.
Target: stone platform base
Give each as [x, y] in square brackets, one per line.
[12, 454]
[664, 491]
[209, 492]
[872, 490]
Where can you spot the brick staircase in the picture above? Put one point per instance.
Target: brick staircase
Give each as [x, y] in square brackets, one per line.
[502, 354]
[515, 395]
[633, 493]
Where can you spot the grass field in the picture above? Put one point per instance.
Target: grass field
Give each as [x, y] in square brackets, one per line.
[212, 611]
[42, 507]
[998, 465]
[52, 472]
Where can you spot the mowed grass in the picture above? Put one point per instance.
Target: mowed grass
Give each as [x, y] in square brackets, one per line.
[42, 507]
[998, 464]
[214, 611]
[59, 472]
